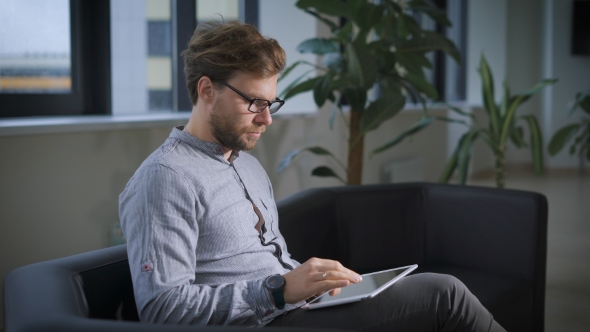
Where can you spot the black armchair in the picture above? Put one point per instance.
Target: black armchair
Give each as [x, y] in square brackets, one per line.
[493, 240]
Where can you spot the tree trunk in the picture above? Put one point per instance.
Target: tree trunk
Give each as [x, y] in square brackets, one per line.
[500, 168]
[355, 153]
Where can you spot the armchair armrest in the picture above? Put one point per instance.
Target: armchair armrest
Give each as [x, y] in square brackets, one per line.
[492, 230]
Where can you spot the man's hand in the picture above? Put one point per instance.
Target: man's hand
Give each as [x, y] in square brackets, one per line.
[315, 277]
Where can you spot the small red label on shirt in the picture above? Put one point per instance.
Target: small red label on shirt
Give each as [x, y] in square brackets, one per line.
[147, 267]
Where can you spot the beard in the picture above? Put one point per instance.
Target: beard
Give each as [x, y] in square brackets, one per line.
[228, 131]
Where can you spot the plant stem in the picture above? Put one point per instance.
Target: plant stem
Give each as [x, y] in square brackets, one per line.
[355, 153]
[500, 168]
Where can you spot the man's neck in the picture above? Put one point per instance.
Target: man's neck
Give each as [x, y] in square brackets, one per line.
[194, 131]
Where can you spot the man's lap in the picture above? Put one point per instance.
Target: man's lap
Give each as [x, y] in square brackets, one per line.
[421, 302]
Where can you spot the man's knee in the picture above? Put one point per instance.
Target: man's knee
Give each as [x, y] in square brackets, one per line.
[442, 282]
[445, 289]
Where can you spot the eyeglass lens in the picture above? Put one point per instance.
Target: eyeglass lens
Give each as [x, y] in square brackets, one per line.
[258, 105]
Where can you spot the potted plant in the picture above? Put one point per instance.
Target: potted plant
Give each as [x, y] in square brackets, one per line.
[566, 134]
[503, 125]
[380, 46]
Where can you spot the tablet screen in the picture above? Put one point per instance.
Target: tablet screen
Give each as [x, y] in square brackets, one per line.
[372, 282]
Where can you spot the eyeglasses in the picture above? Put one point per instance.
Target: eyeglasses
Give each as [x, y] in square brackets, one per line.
[257, 105]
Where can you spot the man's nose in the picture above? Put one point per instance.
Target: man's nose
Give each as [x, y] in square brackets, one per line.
[264, 117]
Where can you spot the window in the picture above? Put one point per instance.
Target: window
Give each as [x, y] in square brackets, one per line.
[59, 68]
[147, 39]
[105, 57]
[35, 47]
[448, 77]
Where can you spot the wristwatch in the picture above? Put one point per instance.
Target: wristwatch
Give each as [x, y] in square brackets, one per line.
[276, 285]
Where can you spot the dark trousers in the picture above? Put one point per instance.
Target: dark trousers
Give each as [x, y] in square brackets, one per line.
[421, 302]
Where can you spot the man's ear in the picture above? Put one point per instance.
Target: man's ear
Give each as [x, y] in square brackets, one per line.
[205, 89]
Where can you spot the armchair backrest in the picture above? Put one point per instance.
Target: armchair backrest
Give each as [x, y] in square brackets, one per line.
[373, 227]
[364, 227]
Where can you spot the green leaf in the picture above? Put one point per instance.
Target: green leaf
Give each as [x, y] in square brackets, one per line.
[431, 10]
[538, 87]
[517, 137]
[449, 167]
[328, 7]
[356, 98]
[416, 127]
[562, 137]
[505, 100]
[295, 82]
[536, 143]
[302, 87]
[464, 154]
[367, 15]
[488, 96]
[325, 171]
[318, 46]
[381, 110]
[422, 85]
[403, 21]
[328, 22]
[441, 118]
[286, 161]
[461, 112]
[317, 150]
[516, 102]
[321, 90]
[334, 61]
[362, 68]
[582, 101]
[289, 69]
[344, 34]
[430, 41]
[335, 109]
[413, 61]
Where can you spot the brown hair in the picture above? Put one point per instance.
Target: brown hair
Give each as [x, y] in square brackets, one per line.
[217, 50]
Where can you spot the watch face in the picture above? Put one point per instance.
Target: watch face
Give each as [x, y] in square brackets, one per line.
[275, 282]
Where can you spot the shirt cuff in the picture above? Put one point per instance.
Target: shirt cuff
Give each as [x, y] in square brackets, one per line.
[262, 303]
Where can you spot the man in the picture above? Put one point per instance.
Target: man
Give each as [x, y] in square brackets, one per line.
[202, 226]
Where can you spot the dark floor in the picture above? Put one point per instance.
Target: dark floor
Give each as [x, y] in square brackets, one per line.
[568, 253]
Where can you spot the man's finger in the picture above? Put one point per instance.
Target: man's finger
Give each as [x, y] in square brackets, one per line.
[336, 275]
[335, 291]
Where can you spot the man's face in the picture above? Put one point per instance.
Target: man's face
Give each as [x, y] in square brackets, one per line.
[232, 125]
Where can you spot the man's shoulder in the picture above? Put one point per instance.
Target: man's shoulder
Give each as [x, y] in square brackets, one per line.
[250, 161]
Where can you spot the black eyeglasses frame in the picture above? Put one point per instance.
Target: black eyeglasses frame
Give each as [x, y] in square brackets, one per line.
[252, 100]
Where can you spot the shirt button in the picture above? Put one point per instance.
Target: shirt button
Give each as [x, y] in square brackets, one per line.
[219, 150]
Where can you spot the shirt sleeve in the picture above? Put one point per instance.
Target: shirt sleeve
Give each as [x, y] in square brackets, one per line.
[158, 217]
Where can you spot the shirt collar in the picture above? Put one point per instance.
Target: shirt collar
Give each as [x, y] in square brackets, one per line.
[209, 148]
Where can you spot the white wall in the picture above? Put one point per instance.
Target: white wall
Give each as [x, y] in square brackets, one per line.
[129, 57]
[525, 41]
[290, 26]
[487, 24]
[572, 71]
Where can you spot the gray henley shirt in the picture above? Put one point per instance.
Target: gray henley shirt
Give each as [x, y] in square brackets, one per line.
[194, 253]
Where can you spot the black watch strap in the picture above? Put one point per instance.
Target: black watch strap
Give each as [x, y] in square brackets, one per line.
[276, 285]
[279, 299]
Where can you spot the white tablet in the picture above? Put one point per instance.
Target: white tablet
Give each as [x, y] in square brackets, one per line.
[372, 284]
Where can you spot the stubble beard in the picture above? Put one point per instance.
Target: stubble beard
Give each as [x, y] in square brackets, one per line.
[227, 130]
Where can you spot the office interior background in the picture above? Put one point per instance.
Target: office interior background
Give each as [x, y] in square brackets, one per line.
[60, 175]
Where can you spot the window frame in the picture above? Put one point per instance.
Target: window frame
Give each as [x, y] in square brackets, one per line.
[90, 44]
[90, 70]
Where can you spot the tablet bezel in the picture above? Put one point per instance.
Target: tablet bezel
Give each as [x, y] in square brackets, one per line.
[314, 305]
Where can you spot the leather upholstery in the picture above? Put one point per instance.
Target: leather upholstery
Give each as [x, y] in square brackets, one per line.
[494, 240]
